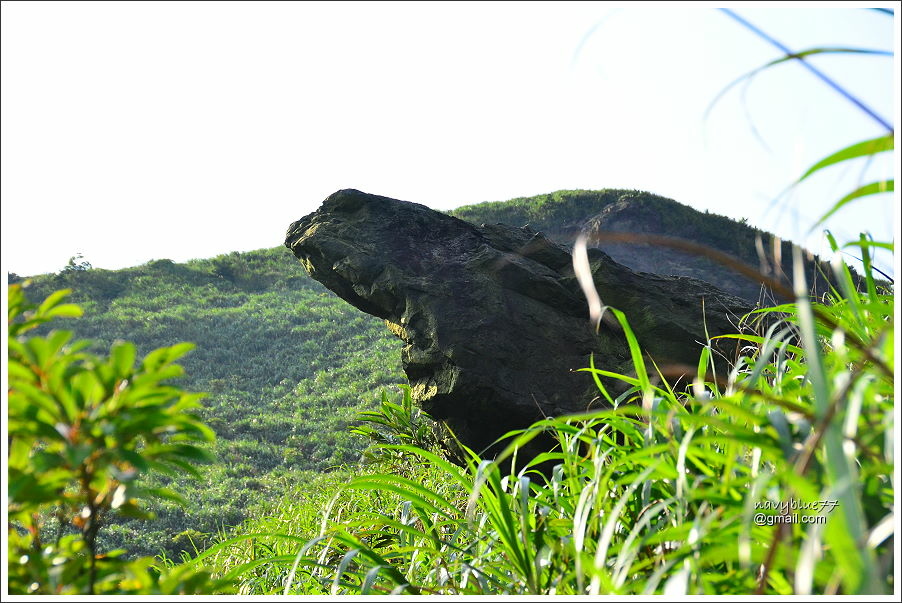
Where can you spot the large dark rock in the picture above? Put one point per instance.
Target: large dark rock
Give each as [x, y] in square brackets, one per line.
[493, 320]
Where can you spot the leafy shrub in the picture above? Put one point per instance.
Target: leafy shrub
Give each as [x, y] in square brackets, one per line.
[83, 431]
[77, 263]
[404, 423]
[287, 368]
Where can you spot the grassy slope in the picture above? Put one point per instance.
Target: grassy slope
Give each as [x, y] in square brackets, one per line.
[286, 363]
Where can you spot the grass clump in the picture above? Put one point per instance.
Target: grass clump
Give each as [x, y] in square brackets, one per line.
[773, 479]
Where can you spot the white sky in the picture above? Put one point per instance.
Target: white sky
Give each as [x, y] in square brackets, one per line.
[137, 131]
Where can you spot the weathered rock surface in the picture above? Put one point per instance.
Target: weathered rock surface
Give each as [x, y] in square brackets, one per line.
[493, 320]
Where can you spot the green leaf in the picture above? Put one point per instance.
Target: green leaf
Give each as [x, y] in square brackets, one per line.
[166, 494]
[65, 310]
[869, 243]
[860, 149]
[53, 300]
[122, 358]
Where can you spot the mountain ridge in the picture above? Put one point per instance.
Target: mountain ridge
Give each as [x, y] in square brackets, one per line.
[562, 215]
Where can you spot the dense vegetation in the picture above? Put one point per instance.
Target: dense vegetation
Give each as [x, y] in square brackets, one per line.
[288, 367]
[774, 478]
[674, 490]
[285, 363]
[84, 432]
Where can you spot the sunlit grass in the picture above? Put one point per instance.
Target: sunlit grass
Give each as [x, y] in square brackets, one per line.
[673, 491]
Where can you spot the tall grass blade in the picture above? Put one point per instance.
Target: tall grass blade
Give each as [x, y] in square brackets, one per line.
[865, 148]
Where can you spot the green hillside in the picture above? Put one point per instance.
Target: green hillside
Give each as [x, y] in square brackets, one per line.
[287, 365]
